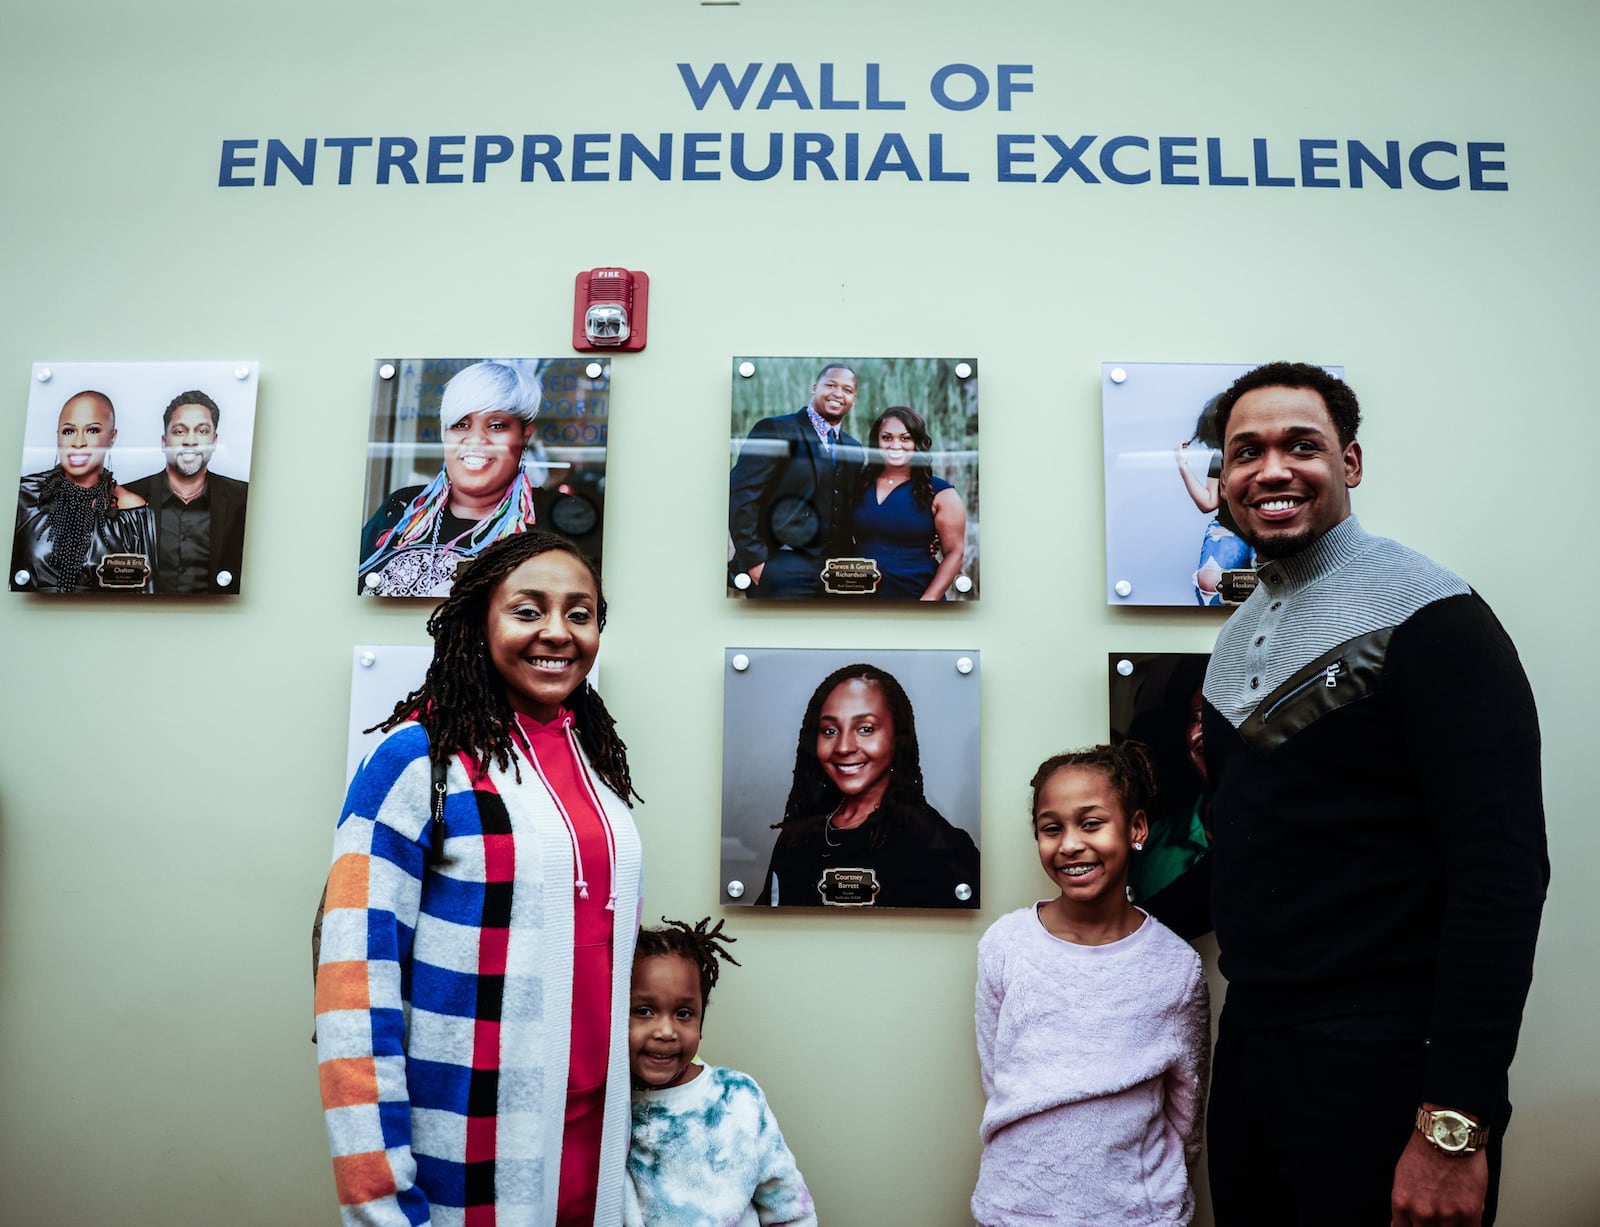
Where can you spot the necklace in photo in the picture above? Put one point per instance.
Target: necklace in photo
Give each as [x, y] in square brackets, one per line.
[828, 832]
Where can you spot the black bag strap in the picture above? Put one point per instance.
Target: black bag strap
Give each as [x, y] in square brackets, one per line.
[440, 791]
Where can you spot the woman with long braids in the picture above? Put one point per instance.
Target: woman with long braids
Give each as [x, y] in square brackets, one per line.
[73, 518]
[485, 490]
[472, 992]
[857, 830]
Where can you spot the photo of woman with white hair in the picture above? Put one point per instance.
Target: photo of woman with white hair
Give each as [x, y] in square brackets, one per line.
[492, 467]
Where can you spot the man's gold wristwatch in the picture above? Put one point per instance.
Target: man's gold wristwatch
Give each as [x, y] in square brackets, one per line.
[1451, 1132]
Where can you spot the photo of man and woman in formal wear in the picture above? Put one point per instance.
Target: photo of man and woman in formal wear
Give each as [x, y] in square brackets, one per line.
[854, 479]
[463, 452]
[1169, 537]
[134, 478]
[850, 779]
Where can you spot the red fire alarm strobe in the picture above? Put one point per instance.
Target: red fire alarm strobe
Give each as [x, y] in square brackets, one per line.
[610, 307]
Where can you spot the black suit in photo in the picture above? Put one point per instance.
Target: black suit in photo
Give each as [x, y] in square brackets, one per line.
[227, 495]
[789, 504]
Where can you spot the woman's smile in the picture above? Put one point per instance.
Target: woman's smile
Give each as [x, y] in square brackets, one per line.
[543, 632]
[855, 739]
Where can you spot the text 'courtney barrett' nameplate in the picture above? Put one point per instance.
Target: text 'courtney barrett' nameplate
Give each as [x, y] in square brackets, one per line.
[848, 887]
[851, 576]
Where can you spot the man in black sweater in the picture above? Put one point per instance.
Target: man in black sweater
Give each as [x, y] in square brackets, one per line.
[1380, 861]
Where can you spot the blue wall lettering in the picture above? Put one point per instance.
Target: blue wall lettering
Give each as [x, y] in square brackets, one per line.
[1172, 158]
[1124, 160]
[347, 146]
[396, 151]
[304, 168]
[1071, 158]
[488, 151]
[1214, 174]
[438, 159]
[1264, 177]
[718, 77]
[1478, 165]
[784, 85]
[1310, 163]
[1422, 176]
[234, 161]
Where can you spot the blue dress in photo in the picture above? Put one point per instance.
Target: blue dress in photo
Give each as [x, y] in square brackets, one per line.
[898, 535]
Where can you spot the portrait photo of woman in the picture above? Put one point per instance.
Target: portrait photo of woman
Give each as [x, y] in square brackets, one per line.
[501, 450]
[909, 521]
[72, 517]
[850, 810]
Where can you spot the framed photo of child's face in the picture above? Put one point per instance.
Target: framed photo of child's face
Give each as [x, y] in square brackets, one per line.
[135, 478]
[1155, 699]
[854, 480]
[850, 779]
[1169, 537]
[465, 451]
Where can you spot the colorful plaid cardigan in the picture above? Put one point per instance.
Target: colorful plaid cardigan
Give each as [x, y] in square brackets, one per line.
[443, 1082]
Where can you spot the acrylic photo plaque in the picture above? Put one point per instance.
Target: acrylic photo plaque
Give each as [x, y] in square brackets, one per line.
[1169, 538]
[1155, 699]
[381, 675]
[866, 763]
[854, 480]
[135, 478]
[465, 451]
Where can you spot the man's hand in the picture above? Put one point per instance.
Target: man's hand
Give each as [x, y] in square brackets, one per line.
[1433, 1189]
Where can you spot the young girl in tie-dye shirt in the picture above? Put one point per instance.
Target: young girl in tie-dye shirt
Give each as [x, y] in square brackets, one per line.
[706, 1151]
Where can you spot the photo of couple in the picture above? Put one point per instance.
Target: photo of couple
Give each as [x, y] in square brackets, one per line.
[135, 478]
[854, 479]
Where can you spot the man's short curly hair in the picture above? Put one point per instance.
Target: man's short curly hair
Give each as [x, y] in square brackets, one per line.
[1336, 394]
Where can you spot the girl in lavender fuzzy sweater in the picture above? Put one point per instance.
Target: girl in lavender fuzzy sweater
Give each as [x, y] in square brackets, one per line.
[1093, 1022]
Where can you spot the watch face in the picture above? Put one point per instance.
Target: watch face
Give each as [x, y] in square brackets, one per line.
[1450, 1133]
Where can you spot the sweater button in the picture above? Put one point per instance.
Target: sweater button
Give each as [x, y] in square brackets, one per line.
[1260, 639]
[1276, 605]
[1255, 683]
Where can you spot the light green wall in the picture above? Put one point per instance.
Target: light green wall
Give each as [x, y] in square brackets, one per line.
[170, 774]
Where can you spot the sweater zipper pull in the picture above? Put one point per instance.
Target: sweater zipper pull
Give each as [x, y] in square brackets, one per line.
[1332, 674]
